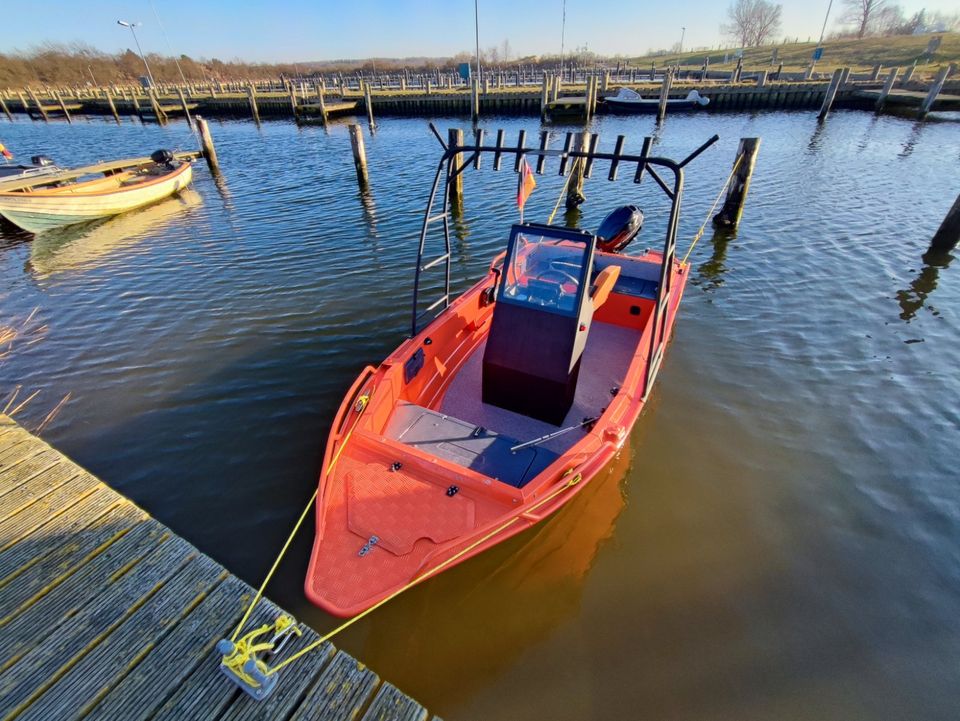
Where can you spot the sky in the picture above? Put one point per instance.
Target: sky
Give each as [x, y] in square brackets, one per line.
[304, 30]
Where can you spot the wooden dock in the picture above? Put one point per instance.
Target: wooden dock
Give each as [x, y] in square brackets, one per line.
[107, 614]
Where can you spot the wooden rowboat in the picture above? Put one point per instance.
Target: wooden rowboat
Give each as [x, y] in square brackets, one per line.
[506, 404]
[42, 206]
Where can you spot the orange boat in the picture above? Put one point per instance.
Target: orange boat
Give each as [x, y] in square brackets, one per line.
[508, 401]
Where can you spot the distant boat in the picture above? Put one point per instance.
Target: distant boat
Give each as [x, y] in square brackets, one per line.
[42, 205]
[630, 101]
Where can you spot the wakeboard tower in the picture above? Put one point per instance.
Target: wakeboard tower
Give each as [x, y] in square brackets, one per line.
[505, 402]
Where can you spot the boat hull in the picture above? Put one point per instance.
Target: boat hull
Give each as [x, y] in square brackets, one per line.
[403, 496]
[44, 210]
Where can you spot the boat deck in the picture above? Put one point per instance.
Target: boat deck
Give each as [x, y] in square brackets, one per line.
[606, 358]
[107, 614]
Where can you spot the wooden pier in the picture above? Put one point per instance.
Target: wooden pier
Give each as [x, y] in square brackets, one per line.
[107, 614]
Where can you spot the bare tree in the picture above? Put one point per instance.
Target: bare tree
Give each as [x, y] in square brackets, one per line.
[752, 23]
[862, 13]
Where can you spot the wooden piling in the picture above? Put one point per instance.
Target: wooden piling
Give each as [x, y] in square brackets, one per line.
[112, 105]
[948, 234]
[359, 155]
[455, 139]
[934, 92]
[252, 99]
[729, 215]
[368, 104]
[664, 94]
[761, 78]
[875, 73]
[183, 104]
[887, 87]
[831, 94]
[206, 144]
[909, 74]
[293, 101]
[544, 95]
[474, 98]
[575, 196]
[322, 102]
[6, 110]
[36, 101]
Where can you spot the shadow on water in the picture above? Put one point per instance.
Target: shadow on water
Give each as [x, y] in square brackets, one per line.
[913, 298]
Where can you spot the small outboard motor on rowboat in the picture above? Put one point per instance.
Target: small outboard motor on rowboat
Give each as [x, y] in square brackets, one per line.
[163, 157]
[619, 228]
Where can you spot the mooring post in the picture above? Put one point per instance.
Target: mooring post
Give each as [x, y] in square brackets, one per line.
[555, 92]
[934, 92]
[831, 94]
[844, 78]
[575, 196]
[474, 98]
[738, 71]
[544, 96]
[887, 87]
[206, 145]
[6, 111]
[293, 101]
[113, 107]
[729, 215]
[761, 78]
[875, 73]
[36, 101]
[359, 155]
[368, 105]
[323, 103]
[183, 103]
[252, 99]
[948, 234]
[455, 139]
[664, 94]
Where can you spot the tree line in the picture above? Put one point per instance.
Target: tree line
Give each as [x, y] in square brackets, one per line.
[752, 23]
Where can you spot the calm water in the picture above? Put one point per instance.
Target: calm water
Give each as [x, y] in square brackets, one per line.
[781, 539]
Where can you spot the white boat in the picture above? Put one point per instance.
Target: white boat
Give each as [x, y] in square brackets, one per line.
[39, 207]
[630, 101]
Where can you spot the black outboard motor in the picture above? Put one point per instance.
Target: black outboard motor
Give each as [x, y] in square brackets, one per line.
[619, 228]
[41, 160]
[162, 157]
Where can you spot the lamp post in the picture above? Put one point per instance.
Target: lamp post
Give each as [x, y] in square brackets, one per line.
[476, 27]
[819, 48]
[683, 32]
[139, 49]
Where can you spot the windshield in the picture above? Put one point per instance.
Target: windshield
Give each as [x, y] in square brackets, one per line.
[544, 272]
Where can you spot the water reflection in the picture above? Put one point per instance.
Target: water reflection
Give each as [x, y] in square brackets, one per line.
[81, 246]
[913, 298]
[912, 140]
[710, 272]
[528, 587]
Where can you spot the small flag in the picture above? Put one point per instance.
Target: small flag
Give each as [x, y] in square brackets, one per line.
[527, 183]
[6, 153]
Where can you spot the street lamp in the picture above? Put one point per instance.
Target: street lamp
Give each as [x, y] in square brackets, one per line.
[683, 32]
[139, 49]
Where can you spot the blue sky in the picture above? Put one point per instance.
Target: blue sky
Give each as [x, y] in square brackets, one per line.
[296, 30]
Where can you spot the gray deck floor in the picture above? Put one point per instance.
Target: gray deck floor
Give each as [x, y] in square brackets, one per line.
[107, 614]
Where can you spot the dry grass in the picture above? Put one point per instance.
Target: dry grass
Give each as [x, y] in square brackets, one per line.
[14, 337]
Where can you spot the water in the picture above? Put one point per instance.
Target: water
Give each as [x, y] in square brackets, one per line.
[780, 540]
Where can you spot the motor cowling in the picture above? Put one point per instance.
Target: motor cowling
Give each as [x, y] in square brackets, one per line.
[162, 157]
[619, 228]
[41, 160]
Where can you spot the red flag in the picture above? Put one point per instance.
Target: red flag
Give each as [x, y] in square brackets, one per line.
[6, 153]
[527, 183]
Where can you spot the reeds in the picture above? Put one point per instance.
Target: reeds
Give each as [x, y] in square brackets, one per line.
[15, 337]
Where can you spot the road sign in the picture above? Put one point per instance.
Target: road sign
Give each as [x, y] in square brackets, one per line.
[817, 53]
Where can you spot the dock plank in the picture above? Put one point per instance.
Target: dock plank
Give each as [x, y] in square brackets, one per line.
[31, 626]
[391, 704]
[106, 614]
[50, 536]
[50, 570]
[340, 692]
[106, 663]
[175, 658]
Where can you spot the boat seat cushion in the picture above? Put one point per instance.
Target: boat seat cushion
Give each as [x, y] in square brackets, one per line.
[467, 445]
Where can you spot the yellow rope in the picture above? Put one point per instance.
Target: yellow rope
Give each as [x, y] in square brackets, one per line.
[563, 190]
[362, 402]
[573, 480]
[712, 208]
